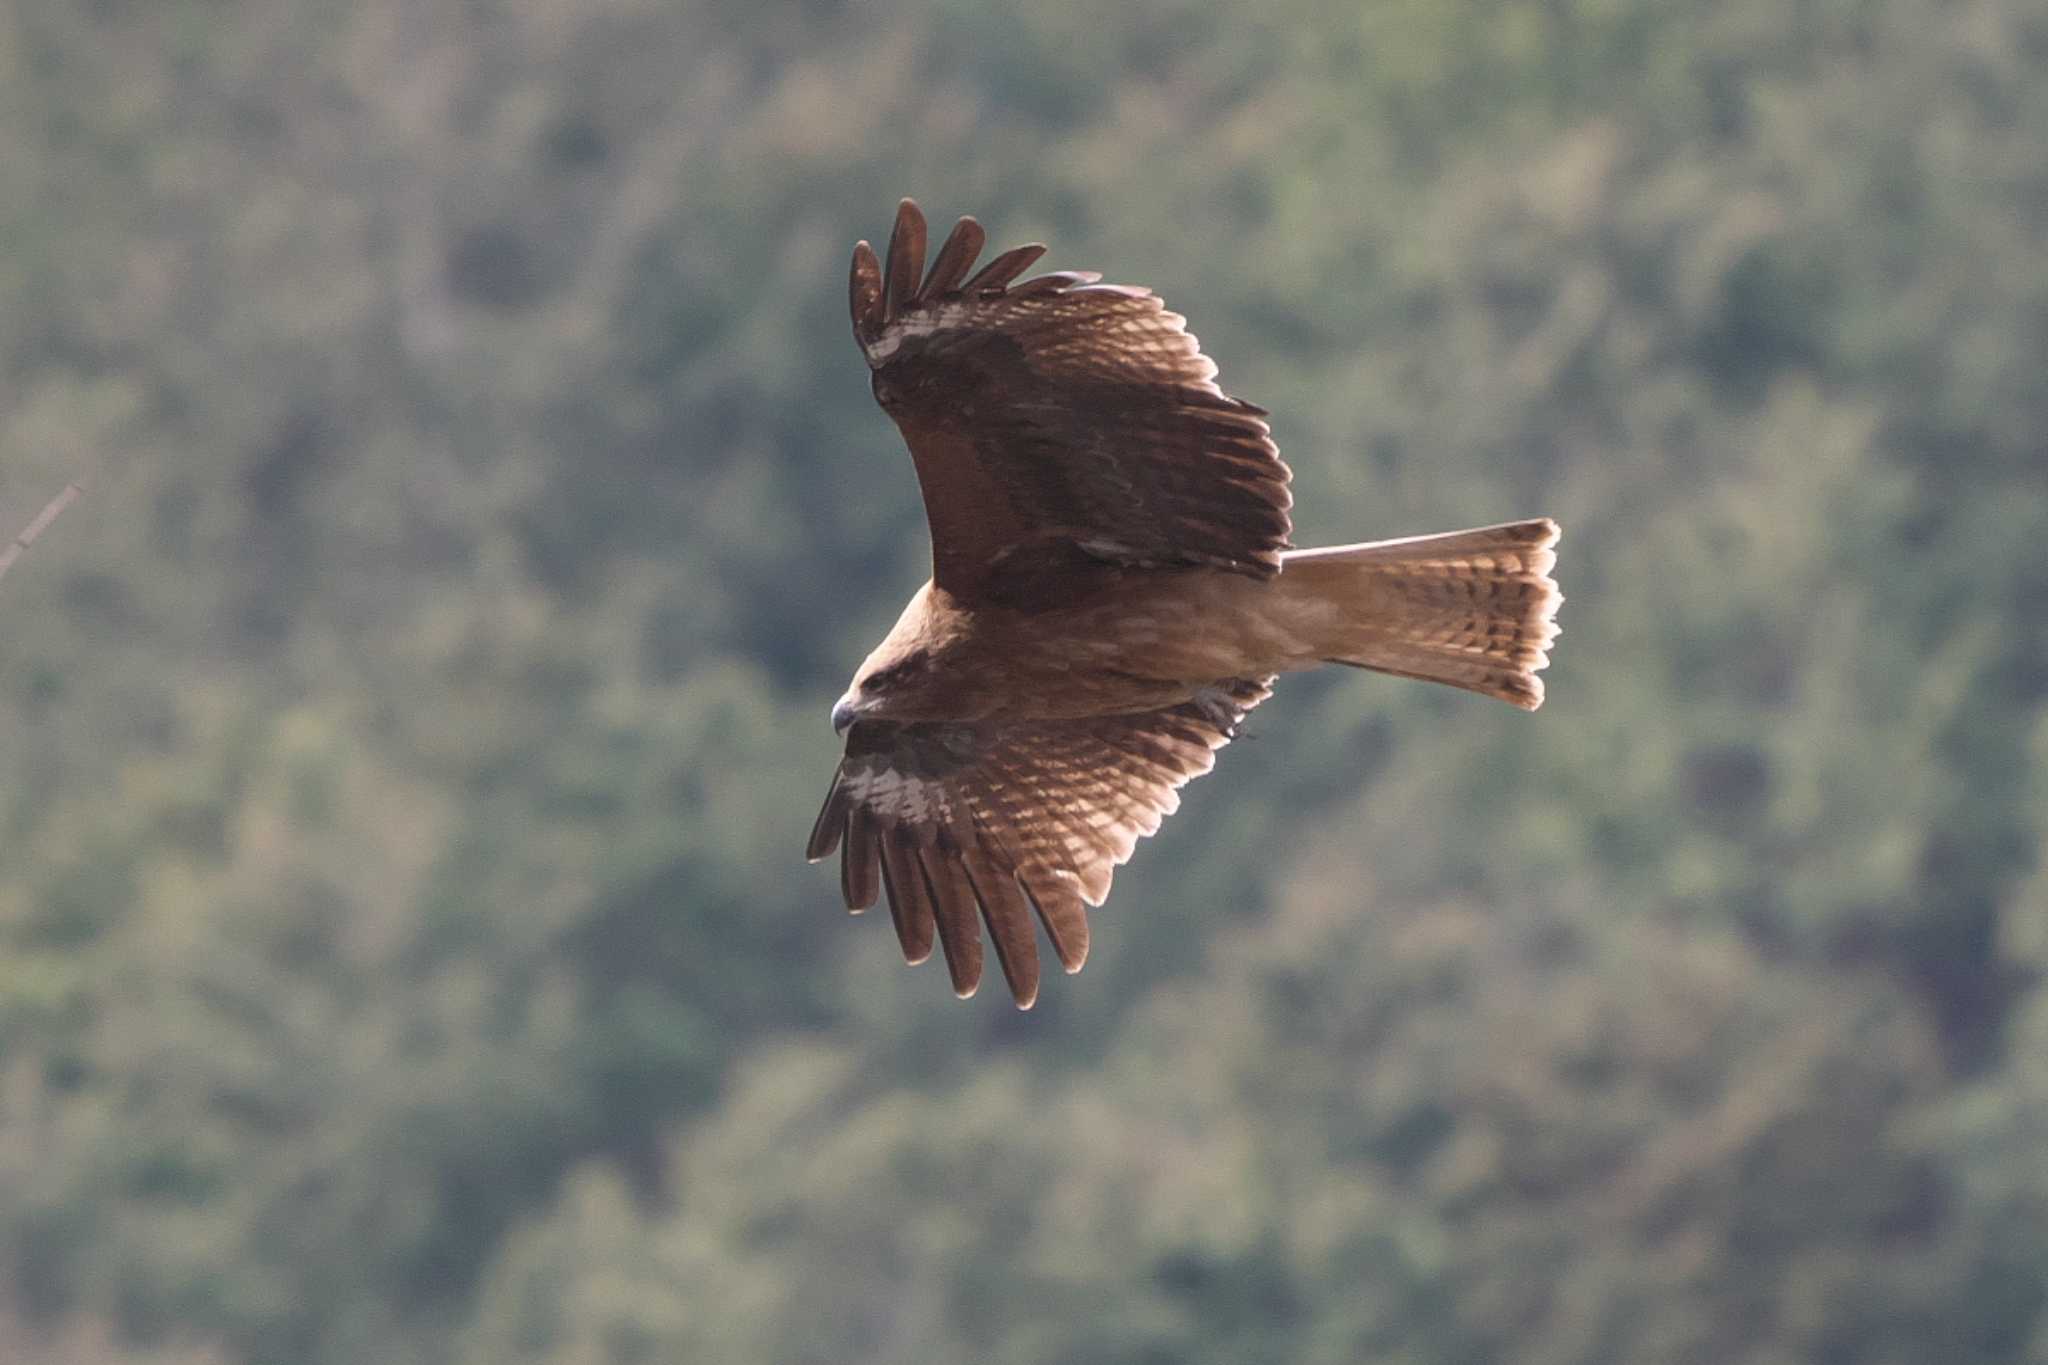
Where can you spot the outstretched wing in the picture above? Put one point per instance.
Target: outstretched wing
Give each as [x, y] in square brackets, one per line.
[1059, 421]
[1007, 821]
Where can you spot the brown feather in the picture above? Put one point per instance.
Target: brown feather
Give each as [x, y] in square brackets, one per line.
[1473, 609]
[831, 822]
[864, 294]
[953, 907]
[995, 277]
[955, 259]
[1063, 913]
[860, 871]
[906, 260]
[965, 506]
[1008, 916]
[910, 907]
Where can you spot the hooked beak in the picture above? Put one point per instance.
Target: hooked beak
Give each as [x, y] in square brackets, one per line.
[842, 716]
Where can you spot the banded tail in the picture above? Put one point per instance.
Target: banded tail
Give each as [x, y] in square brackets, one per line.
[1472, 609]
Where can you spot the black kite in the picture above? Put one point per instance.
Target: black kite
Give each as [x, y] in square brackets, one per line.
[1112, 590]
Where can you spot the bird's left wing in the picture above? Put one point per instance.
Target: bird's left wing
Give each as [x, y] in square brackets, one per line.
[959, 822]
[1059, 423]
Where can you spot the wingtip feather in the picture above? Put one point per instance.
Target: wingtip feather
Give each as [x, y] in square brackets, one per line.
[864, 293]
[1064, 917]
[995, 277]
[954, 260]
[951, 897]
[830, 825]
[1007, 914]
[905, 268]
[860, 874]
[908, 909]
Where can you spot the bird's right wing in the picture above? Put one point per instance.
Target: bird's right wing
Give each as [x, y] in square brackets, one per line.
[999, 821]
[1058, 424]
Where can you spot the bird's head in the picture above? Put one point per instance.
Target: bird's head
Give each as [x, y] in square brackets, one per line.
[881, 688]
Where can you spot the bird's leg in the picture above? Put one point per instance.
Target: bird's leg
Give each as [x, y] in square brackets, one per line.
[1219, 708]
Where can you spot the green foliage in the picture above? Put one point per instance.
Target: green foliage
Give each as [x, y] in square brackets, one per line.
[404, 954]
[1423, 1135]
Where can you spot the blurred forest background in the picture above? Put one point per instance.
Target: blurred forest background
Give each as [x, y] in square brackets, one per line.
[406, 953]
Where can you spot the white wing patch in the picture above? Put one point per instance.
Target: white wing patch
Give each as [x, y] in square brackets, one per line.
[921, 322]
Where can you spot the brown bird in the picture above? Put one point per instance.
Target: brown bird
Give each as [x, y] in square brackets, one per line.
[1112, 590]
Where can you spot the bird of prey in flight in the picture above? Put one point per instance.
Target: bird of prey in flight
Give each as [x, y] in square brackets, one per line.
[1112, 590]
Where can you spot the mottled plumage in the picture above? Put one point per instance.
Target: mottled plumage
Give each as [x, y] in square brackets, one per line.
[1112, 590]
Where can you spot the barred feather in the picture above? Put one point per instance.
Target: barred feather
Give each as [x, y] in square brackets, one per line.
[968, 822]
[1473, 609]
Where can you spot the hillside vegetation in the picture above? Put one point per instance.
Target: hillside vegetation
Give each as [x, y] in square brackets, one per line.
[406, 953]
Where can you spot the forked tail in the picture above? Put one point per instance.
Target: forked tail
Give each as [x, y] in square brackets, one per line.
[1470, 608]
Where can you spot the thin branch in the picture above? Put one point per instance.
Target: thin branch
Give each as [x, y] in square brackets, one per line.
[50, 513]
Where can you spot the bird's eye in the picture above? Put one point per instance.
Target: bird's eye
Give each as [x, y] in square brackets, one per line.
[897, 671]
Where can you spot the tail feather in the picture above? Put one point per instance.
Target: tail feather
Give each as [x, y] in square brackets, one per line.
[1472, 609]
